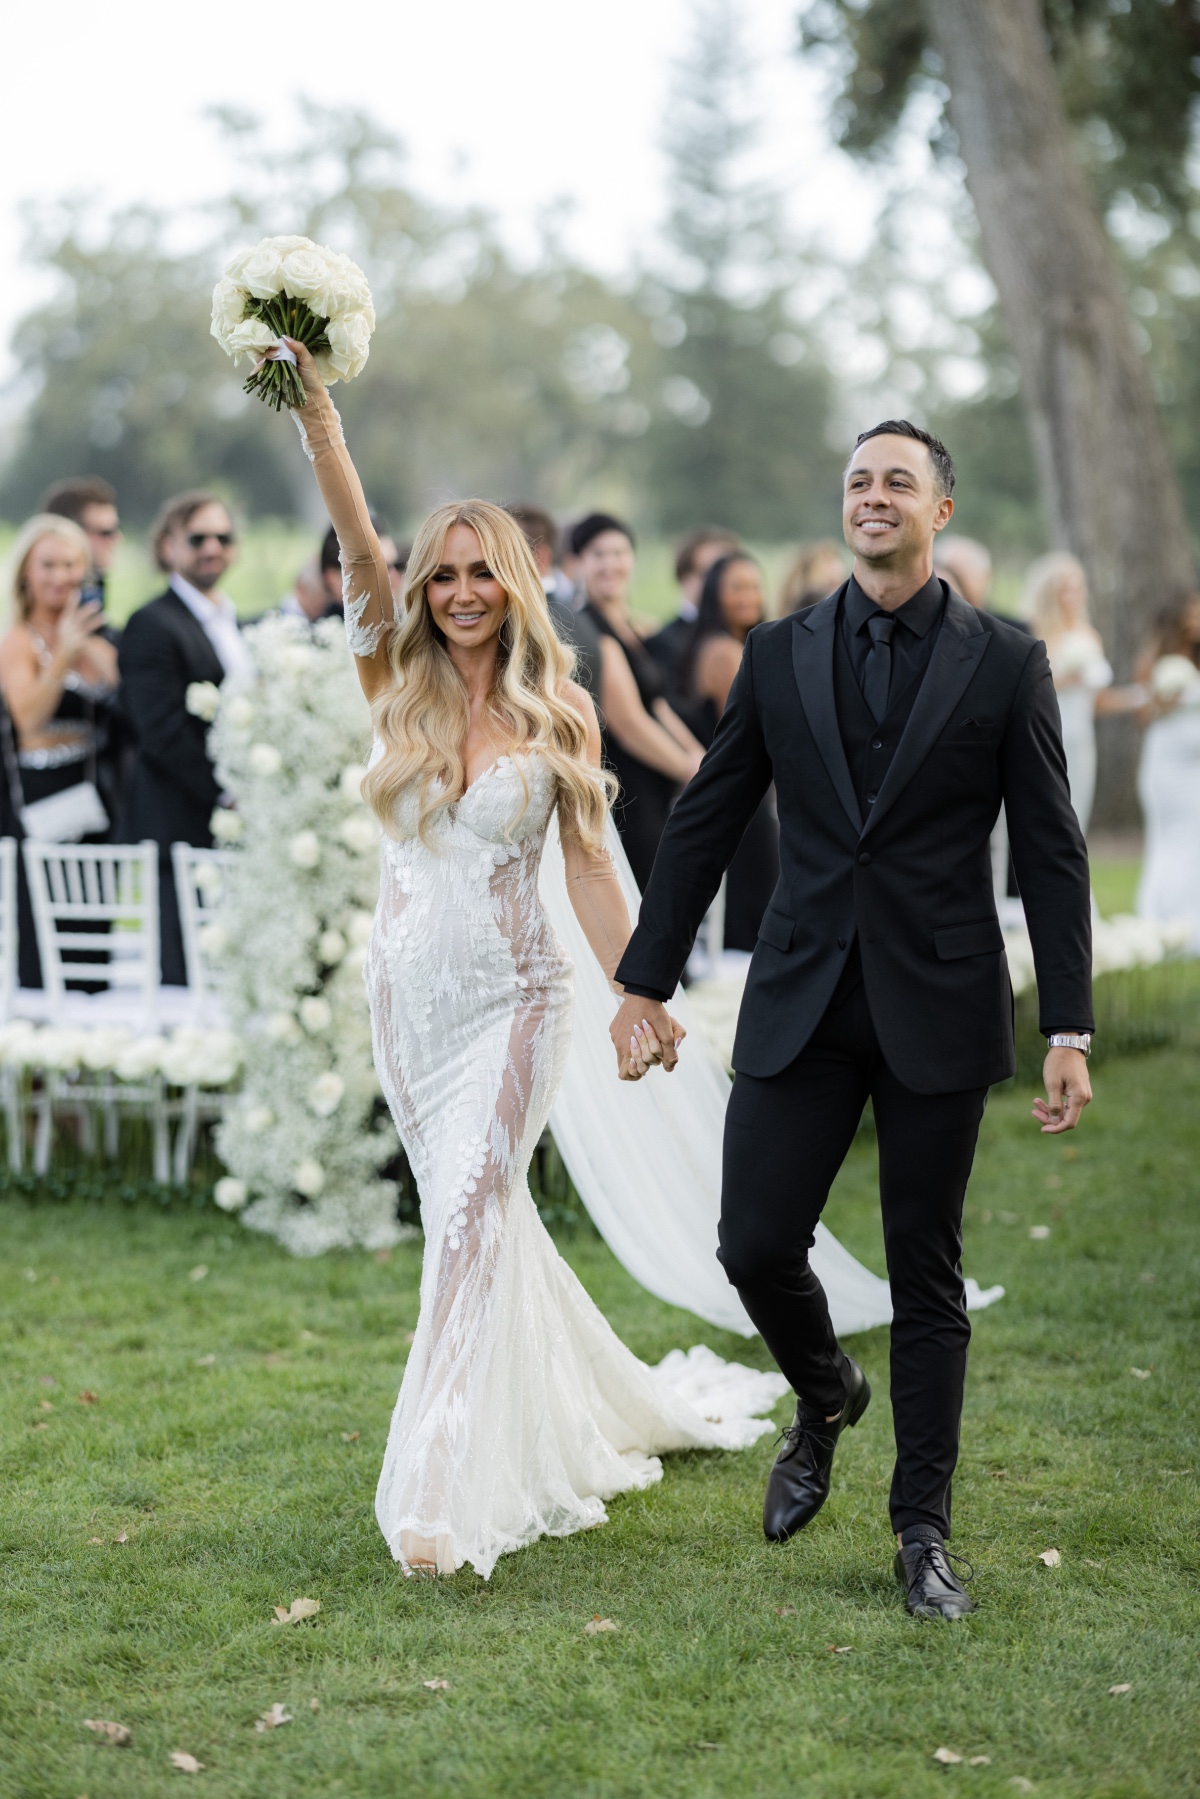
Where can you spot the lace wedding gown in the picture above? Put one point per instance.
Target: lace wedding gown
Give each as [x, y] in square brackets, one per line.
[520, 1410]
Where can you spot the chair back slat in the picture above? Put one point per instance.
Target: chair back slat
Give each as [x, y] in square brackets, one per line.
[102, 884]
[8, 925]
[199, 887]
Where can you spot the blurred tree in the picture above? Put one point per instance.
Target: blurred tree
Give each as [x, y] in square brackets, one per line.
[743, 404]
[1111, 492]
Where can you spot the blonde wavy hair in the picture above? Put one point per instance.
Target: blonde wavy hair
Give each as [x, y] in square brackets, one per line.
[422, 719]
[33, 532]
[1040, 605]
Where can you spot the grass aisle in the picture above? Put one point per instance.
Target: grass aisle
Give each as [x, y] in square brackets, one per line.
[236, 1432]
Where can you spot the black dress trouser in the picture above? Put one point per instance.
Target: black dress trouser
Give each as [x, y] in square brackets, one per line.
[786, 1136]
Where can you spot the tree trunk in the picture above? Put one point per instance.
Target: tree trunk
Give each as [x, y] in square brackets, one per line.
[1112, 497]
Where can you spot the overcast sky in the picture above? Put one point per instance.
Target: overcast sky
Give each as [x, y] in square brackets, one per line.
[510, 106]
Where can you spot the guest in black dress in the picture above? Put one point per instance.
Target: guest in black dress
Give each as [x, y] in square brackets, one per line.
[646, 744]
[58, 677]
[731, 604]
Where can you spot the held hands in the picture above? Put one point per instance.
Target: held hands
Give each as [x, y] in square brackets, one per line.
[1068, 1091]
[643, 1033]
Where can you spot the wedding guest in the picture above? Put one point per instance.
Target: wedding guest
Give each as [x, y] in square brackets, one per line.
[58, 677]
[574, 628]
[308, 598]
[731, 604]
[91, 503]
[967, 565]
[1169, 773]
[188, 635]
[693, 559]
[819, 569]
[646, 744]
[1055, 604]
[317, 592]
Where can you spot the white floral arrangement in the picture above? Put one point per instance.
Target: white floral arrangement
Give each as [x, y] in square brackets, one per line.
[186, 1057]
[291, 287]
[301, 1141]
[1173, 677]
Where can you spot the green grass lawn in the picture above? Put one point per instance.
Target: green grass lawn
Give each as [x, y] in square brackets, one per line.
[236, 1432]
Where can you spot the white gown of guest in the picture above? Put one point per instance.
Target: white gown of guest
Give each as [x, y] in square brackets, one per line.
[1169, 789]
[1078, 654]
[520, 1412]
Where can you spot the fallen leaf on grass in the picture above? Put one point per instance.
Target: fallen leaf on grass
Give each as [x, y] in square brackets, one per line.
[948, 1756]
[840, 1649]
[1126, 1686]
[351, 1436]
[95, 1539]
[297, 1611]
[437, 1686]
[597, 1624]
[118, 1734]
[45, 1405]
[198, 1272]
[122, 1536]
[1038, 1233]
[1051, 1557]
[1021, 1784]
[708, 1745]
[205, 1361]
[786, 1611]
[314, 1704]
[383, 1255]
[87, 1397]
[47, 1380]
[187, 1764]
[31, 1274]
[1088, 1564]
[979, 1761]
[273, 1719]
[41, 1425]
[1141, 1373]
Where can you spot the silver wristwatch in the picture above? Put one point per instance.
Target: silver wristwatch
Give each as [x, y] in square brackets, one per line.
[1081, 1040]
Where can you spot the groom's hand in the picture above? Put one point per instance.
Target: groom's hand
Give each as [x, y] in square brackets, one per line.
[643, 1032]
[1068, 1091]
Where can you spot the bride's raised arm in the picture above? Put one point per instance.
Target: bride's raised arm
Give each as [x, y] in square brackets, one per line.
[370, 614]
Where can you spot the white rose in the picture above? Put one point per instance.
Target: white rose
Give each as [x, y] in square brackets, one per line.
[226, 825]
[349, 347]
[305, 849]
[350, 782]
[259, 271]
[251, 338]
[265, 759]
[203, 700]
[230, 1194]
[316, 1015]
[258, 1119]
[140, 1058]
[331, 947]
[228, 309]
[325, 1093]
[306, 277]
[308, 1177]
[281, 1027]
[360, 832]
[361, 925]
[239, 711]
[209, 880]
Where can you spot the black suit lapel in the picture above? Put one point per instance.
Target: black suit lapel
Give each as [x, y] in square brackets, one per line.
[196, 641]
[960, 646]
[812, 664]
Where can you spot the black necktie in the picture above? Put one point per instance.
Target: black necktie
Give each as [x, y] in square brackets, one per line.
[877, 676]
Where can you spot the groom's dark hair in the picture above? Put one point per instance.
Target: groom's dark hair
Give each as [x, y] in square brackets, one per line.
[939, 455]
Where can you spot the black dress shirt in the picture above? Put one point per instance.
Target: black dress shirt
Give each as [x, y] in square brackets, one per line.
[911, 647]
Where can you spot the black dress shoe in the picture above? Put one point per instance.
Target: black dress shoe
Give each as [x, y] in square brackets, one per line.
[798, 1485]
[923, 1570]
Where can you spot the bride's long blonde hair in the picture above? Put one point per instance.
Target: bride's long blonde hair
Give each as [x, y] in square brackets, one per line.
[422, 719]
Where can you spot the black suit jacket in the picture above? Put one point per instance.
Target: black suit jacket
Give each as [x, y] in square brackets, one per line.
[172, 788]
[912, 878]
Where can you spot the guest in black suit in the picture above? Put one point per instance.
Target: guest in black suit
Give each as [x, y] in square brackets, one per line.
[893, 719]
[189, 634]
[693, 559]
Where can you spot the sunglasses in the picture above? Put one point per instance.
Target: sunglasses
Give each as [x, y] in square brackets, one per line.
[105, 531]
[197, 539]
[396, 568]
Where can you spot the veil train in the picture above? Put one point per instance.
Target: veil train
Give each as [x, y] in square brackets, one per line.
[645, 1156]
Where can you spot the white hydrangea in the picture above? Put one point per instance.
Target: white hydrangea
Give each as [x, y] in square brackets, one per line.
[305, 849]
[202, 699]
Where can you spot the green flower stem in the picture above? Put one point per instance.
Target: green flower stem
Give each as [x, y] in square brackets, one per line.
[279, 383]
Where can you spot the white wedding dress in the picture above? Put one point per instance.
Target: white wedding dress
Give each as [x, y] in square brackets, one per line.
[1169, 789]
[520, 1411]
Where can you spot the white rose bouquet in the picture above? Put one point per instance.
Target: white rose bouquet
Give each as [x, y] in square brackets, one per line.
[291, 287]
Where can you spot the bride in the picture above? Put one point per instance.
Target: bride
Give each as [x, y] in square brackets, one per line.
[520, 1410]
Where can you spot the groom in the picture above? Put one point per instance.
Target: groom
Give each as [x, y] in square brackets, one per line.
[893, 719]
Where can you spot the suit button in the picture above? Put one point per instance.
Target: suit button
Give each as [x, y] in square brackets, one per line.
[864, 861]
[841, 943]
[871, 798]
[878, 744]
